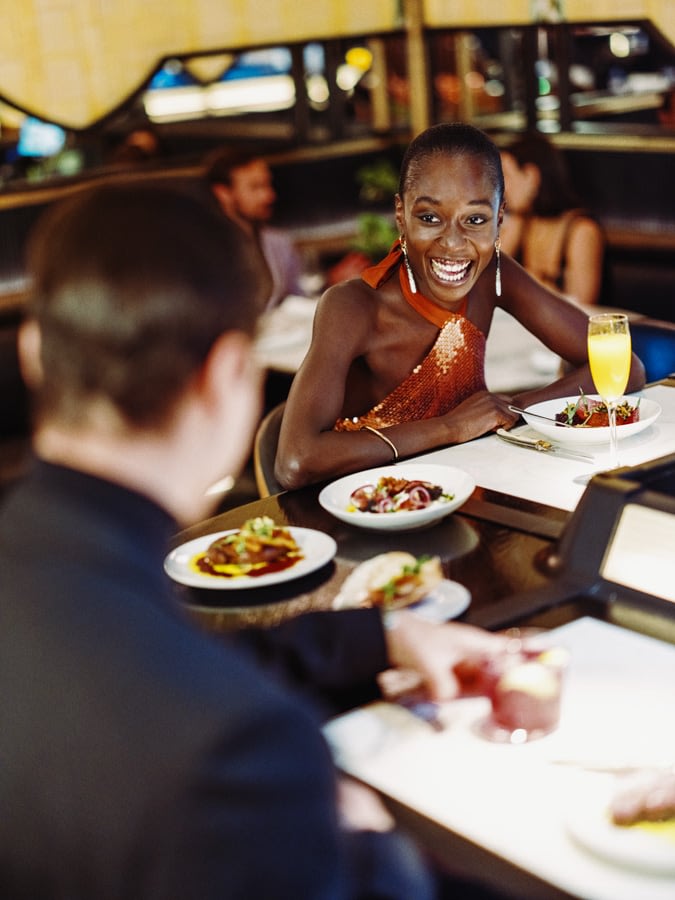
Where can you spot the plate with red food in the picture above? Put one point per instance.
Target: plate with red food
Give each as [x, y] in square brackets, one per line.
[397, 498]
[258, 554]
[587, 414]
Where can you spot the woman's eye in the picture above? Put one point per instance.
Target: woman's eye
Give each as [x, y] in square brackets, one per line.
[476, 220]
[429, 218]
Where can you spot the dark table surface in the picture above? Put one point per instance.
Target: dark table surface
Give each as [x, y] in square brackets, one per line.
[498, 546]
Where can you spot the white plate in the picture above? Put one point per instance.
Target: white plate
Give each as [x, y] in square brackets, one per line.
[448, 600]
[335, 497]
[589, 824]
[649, 412]
[318, 549]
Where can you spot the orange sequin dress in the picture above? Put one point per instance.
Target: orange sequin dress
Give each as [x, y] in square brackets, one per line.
[453, 370]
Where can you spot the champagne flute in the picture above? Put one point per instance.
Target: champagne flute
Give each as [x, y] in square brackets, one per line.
[609, 355]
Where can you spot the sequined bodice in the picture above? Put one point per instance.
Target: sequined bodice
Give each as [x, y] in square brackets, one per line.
[453, 370]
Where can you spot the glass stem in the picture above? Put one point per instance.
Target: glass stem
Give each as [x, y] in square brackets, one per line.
[613, 442]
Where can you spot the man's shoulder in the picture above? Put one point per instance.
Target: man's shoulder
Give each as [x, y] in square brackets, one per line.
[275, 237]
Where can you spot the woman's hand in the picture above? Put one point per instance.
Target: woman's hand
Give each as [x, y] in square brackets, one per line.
[480, 414]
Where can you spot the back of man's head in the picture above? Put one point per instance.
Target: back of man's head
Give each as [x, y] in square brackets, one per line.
[131, 287]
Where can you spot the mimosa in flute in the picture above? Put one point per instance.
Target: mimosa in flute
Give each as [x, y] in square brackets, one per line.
[609, 355]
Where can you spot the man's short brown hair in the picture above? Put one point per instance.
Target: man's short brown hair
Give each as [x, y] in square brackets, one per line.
[132, 284]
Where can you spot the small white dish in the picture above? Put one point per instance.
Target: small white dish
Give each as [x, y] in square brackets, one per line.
[588, 822]
[317, 548]
[335, 497]
[446, 601]
[580, 436]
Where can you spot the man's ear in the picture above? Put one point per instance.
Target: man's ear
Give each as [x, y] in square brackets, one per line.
[29, 343]
[229, 395]
[229, 366]
[223, 195]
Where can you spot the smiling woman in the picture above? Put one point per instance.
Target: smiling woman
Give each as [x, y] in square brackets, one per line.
[396, 363]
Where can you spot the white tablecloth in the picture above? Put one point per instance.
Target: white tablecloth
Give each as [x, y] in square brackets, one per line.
[520, 802]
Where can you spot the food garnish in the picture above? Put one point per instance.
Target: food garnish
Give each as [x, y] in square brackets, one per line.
[260, 546]
[587, 413]
[403, 582]
[390, 494]
[390, 580]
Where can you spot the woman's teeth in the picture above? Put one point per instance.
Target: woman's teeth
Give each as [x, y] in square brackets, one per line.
[450, 272]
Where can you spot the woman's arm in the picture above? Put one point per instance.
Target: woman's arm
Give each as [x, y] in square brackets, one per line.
[562, 326]
[583, 261]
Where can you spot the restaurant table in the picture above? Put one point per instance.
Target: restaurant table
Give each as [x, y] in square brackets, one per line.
[499, 544]
[509, 824]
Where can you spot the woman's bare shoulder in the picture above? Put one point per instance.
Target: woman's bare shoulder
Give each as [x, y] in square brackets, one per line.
[351, 300]
[354, 289]
[585, 227]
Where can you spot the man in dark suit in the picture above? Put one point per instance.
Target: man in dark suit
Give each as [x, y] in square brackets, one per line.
[138, 757]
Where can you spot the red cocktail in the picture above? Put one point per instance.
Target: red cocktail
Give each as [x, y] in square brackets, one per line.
[524, 684]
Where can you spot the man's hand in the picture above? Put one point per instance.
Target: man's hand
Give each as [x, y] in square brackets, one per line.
[433, 651]
[360, 807]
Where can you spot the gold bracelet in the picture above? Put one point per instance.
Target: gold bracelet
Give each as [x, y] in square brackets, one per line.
[382, 437]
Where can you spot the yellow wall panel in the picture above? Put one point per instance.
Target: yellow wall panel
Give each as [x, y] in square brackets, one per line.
[73, 62]
[662, 13]
[439, 13]
[582, 10]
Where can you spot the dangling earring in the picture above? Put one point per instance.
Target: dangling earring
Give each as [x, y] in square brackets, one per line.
[406, 263]
[498, 275]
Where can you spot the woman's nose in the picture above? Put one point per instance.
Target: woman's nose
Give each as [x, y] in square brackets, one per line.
[453, 235]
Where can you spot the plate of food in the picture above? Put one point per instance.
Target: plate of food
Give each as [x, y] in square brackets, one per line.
[398, 579]
[587, 415]
[397, 498]
[258, 554]
[628, 820]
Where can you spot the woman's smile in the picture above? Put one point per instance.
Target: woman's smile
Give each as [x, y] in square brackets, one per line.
[452, 272]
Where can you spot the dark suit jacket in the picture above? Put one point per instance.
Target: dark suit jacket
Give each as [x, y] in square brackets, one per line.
[138, 757]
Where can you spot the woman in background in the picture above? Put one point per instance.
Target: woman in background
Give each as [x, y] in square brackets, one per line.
[546, 227]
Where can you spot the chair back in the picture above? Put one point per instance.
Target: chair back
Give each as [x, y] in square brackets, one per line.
[653, 342]
[265, 451]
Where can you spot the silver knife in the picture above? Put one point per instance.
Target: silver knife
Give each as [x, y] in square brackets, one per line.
[543, 446]
[527, 412]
